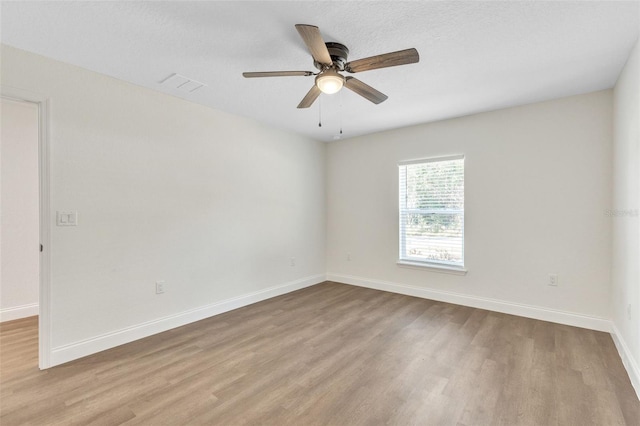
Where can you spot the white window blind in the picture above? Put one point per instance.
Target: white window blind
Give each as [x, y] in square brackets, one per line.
[432, 211]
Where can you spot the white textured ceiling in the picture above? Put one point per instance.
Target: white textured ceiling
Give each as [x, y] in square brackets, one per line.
[474, 56]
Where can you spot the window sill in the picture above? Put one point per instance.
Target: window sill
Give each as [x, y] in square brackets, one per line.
[444, 269]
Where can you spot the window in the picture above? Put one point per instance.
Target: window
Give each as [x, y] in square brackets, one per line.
[432, 212]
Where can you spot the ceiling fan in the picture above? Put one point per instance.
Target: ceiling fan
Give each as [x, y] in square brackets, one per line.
[331, 59]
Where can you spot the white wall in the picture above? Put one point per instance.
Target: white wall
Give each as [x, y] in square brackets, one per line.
[19, 210]
[216, 205]
[211, 203]
[625, 274]
[537, 184]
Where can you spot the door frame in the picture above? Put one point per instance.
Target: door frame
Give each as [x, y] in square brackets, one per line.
[44, 293]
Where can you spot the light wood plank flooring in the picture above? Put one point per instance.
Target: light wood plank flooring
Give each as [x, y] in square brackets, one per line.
[329, 354]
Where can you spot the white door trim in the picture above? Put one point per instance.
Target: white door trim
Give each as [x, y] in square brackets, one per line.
[44, 321]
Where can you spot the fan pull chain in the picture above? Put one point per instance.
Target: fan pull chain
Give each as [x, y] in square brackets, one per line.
[320, 111]
[341, 113]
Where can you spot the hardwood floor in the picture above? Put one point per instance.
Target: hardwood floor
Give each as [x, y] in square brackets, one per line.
[329, 354]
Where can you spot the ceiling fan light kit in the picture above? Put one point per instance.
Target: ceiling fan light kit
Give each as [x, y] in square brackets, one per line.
[329, 81]
[331, 58]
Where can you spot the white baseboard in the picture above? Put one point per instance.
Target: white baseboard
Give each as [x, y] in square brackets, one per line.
[503, 306]
[86, 347]
[528, 311]
[69, 352]
[627, 359]
[17, 312]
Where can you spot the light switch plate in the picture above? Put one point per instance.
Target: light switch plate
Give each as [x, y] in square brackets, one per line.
[67, 218]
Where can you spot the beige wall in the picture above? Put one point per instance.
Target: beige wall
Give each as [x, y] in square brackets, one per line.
[625, 274]
[537, 184]
[217, 205]
[213, 204]
[19, 210]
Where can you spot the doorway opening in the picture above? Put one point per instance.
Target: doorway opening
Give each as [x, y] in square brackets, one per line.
[24, 227]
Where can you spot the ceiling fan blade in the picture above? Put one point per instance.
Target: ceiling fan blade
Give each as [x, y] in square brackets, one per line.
[401, 57]
[312, 38]
[364, 90]
[310, 97]
[276, 74]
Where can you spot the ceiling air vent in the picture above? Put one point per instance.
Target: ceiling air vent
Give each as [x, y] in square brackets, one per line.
[182, 83]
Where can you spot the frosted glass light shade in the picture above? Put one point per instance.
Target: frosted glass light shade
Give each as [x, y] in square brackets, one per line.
[329, 82]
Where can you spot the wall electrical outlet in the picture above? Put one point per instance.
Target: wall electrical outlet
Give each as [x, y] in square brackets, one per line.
[159, 287]
[349, 257]
[293, 261]
[553, 280]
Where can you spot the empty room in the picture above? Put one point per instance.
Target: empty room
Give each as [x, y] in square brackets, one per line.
[320, 213]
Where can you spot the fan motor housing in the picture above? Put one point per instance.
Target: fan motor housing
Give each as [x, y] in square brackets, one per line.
[338, 53]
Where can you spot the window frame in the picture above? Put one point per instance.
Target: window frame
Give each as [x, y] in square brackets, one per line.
[403, 258]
